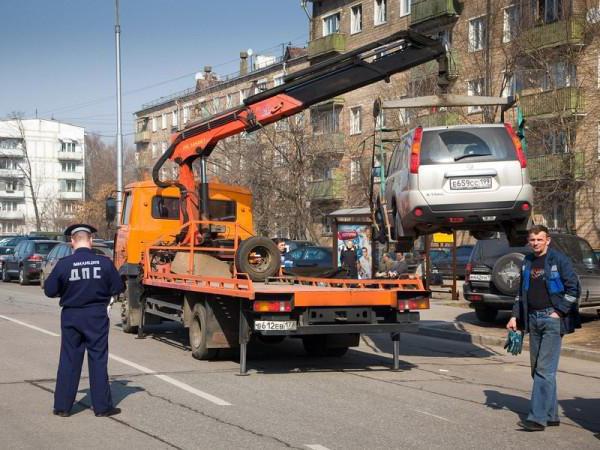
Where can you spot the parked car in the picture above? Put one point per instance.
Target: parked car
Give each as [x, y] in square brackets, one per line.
[292, 244]
[469, 177]
[64, 249]
[8, 244]
[443, 264]
[494, 273]
[309, 261]
[26, 261]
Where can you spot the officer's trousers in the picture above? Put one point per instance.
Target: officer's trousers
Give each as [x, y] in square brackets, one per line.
[83, 329]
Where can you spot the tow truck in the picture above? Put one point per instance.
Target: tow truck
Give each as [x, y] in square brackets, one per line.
[187, 250]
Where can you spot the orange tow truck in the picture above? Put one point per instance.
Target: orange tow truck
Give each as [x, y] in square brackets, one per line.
[187, 250]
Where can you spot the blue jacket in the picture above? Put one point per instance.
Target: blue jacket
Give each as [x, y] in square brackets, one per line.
[563, 289]
[84, 279]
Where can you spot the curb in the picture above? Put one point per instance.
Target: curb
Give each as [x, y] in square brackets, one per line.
[480, 339]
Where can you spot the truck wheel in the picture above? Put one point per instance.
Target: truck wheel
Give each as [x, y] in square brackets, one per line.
[23, 280]
[258, 257]
[126, 318]
[5, 275]
[198, 334]
[486, 314]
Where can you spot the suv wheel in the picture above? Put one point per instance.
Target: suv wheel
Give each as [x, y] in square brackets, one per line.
[486, 314]
[23, 280]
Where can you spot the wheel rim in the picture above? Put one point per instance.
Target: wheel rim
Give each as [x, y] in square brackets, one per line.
[259, 259]
[196, 338]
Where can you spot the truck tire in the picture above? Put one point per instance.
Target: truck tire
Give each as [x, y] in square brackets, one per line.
[126, 317]
[486, 314]
[258, 257]
[23, 280]
[506, 274]
[316, 345]
[199, 335]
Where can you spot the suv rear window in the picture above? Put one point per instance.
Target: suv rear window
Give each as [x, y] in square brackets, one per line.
[43, 248]
[467, 145]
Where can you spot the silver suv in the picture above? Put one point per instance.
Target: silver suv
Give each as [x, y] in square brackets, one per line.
[469, 177]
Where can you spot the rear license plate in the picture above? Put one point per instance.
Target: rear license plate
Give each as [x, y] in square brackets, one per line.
[480, 277]
[470, 183]
[275, 325]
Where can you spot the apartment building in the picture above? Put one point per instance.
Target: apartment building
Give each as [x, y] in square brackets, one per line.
[544, 51]
[41, 160]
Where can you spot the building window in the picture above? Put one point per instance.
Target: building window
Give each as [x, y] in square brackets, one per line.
[560, 74]
[174, 119]
[547, 11]
[555, 142]
[356, 19]
[355, 171]
[261, 85]
[154, 150]
[12, 185]
[474, 87]
[380, 120]
[278, 80]
[510, 85]
[71, 185]
[331, 24]
[476, 34]
[326, 224]
[326, 119]
[186, 114]
[69, 207]
[510, 24]
[163, 121]
[9, 227]
[380, 13]
[229, 101]
[8, 205]
[355, 120]
[154, 124]
[9, 164]
[68, 146]
[404, 7]
[11, 144]
[68, 166]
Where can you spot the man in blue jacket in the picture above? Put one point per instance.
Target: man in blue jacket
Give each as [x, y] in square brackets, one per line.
[85, 282]
[547, 308]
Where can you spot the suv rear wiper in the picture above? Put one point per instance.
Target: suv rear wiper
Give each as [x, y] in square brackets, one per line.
[458, 158]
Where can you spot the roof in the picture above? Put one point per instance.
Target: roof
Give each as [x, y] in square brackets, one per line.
[351, 212]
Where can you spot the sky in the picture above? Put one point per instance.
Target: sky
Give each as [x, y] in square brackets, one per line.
[58, 56]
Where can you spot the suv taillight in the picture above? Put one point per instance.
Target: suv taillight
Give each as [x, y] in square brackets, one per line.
[517, 143]
[35, 258]
[415, 150]
[468, 269]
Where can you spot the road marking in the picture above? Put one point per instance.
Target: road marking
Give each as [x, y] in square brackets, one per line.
[433, 415]
[173, 381]
[33, 327]
[315, 447]
[165, 378]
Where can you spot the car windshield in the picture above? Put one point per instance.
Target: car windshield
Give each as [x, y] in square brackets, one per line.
[472, 144]
[43, 248]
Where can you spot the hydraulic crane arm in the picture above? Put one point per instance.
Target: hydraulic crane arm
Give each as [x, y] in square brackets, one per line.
[335, 76]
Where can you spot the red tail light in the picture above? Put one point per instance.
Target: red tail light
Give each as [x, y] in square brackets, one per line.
[525, 207]
[413, 303]
[418, 212]
[468, 269]
[272, 306]
[518, 147]
[35, 258]
[415, 150]
[475, 298]
[456, 219]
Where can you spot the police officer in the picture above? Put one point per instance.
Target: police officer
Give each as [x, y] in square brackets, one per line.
[84, 281]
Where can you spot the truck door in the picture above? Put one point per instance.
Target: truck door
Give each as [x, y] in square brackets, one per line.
[120, 251]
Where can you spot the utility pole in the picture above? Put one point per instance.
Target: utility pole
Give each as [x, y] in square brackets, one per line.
[119, 118]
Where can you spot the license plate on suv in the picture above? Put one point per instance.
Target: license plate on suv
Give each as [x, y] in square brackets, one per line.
[480, 277]
[459, 184]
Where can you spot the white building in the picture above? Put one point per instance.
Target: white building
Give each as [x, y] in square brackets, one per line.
[56, 154]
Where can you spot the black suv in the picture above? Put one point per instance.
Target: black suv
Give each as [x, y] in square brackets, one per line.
[493, 274]
[26, 261]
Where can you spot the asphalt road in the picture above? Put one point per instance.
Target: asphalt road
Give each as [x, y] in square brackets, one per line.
[447, 395]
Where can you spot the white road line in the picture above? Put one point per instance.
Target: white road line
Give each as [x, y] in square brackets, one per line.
[433, 415]
[173, 381]
[315, 447]
[33, 327]
[165, 378]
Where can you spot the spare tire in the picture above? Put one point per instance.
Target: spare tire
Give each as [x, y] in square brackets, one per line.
[258, 257]
[506, 274]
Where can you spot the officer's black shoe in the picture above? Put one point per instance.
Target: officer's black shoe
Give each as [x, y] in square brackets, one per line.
[528, 425]
[60, 413]
[110, 412]
[553, 423]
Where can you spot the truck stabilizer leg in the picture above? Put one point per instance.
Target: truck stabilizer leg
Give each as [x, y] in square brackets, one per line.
[140, 333]
[244, 339]
[396, 341]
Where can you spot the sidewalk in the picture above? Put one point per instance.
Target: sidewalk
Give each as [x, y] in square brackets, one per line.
[454, 320]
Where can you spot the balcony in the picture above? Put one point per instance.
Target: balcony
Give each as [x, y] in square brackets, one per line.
[12, 194]
[70, 156]
[64, 175]
[430, 14]
[11, 173]
[11, 152]
[560, 102]
[142, 136]
[12, 215]
[554, 167]
[332, 43]
[332, 189]
[67, 195]
[564, 32]
[431, 68]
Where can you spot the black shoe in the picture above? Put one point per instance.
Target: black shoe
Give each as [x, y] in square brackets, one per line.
[60, 413]
[528, 425]
[553, 423]
[110, 412]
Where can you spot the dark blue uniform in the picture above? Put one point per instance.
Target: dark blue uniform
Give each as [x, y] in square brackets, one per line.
[85, 282]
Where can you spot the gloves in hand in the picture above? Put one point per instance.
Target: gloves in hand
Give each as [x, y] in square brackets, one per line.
[514, 342]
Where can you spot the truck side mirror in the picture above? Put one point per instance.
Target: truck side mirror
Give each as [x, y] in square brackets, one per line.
[111, 209]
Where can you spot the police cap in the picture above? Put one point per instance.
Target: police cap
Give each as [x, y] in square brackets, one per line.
[76, 227]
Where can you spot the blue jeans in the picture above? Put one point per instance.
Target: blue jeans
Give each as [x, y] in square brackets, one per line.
[544, 349]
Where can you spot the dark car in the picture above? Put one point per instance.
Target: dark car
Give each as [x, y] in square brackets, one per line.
[8, 244]
[443, 264]
[494, 273]
[64, 249]
[292, 244]
[309, 261]
[26, 261]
